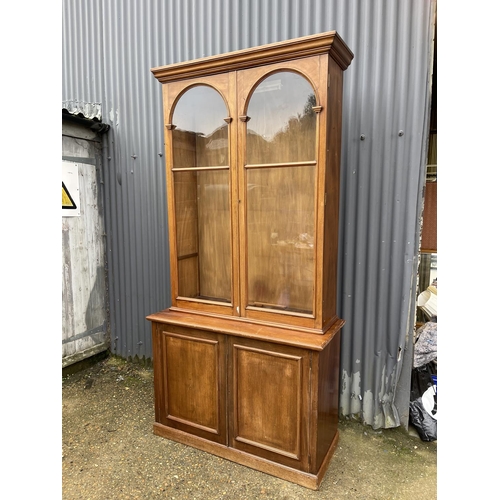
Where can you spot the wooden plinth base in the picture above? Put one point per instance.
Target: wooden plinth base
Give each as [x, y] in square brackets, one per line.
[305, 479]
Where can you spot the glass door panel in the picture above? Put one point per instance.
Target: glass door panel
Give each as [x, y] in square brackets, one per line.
[200, 136]
[202, 195]
[282, 122]
[281, 238]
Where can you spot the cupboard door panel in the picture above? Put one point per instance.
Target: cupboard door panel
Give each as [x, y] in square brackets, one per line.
[270, 400]
[195, 383]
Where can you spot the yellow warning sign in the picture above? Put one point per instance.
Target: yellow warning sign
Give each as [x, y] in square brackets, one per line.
[70, 189]
[67, 201]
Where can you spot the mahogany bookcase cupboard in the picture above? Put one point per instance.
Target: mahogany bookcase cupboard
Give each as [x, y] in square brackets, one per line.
[246, 359]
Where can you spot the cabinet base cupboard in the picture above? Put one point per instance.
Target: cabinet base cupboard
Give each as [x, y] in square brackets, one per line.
[246, 359]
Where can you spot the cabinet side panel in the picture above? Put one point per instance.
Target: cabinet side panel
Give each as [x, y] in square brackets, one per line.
[328, 398]
[158, 372]
[332, 191]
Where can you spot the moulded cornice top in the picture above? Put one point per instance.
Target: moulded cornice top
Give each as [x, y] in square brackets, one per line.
[322, 43]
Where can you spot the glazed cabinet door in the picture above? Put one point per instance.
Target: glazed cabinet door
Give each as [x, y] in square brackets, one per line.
[200, 178]
[279, 145]
[190, 381]
[269, 401]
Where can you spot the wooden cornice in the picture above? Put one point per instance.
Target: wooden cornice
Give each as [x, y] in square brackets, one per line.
[329, 42]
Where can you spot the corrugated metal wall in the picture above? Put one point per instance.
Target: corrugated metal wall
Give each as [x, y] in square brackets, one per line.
[109, 48]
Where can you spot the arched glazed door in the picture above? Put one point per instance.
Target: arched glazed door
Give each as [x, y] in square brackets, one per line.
[201, 173]
[280, 184]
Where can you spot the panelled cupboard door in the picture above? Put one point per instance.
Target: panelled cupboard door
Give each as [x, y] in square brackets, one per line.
[190, 381]
[269, 401]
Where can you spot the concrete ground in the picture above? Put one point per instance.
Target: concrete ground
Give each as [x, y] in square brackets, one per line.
[109, 452]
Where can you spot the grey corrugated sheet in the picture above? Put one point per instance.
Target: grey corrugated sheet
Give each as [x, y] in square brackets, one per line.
[109, 48]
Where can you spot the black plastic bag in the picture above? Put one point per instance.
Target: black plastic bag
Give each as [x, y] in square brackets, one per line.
[422, 386]
[421, 380]
[423, 422]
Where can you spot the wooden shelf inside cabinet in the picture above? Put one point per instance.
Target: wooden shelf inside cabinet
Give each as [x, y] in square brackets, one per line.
[252, 150]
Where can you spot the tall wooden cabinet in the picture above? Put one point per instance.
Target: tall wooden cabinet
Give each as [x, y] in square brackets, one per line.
[246, 358]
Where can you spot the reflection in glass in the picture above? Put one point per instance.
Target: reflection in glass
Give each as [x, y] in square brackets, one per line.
[281, 238]
[282, 126]
[200, 137]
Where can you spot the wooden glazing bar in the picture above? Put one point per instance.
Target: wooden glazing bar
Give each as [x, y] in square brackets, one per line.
[206, 301]
[195, 169]
[187, 256]
[275, 308]
[274, 165]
